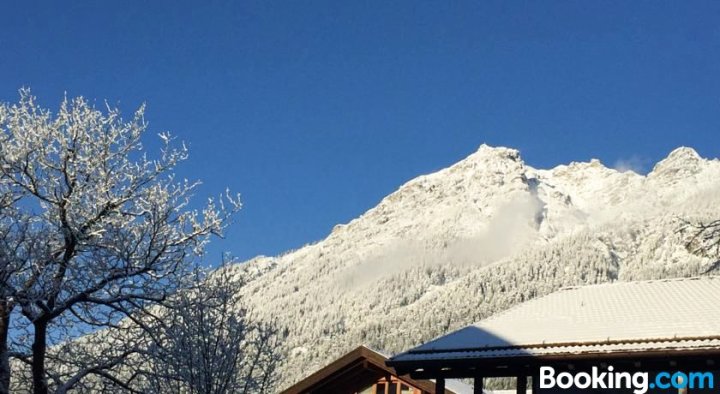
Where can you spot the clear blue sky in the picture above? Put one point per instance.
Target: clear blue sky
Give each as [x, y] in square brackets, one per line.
[315, 110]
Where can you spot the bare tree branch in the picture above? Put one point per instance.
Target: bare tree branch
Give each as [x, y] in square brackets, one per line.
[93, 234]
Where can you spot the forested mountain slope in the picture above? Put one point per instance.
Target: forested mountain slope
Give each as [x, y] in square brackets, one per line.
[455, 246]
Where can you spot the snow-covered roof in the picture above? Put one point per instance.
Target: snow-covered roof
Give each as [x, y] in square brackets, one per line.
[659, 315]
[458, 387]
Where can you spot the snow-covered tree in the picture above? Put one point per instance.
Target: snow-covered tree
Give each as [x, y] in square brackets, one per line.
[94, 233]
[209, 343]
[704, 239]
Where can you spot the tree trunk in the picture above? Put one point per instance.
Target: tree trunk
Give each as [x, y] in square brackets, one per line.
[4, 351]
[39, 348]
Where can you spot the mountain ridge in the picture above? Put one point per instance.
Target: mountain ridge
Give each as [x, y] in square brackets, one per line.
[454, 246]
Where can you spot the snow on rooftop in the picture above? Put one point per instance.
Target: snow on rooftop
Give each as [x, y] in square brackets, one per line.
[629, 316]
[458, 387]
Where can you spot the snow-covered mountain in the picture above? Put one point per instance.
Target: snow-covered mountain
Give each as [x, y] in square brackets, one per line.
[455, 246]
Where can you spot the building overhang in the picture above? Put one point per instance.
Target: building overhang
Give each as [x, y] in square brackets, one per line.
[528, 365]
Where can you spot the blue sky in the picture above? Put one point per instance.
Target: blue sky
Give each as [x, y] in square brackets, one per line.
[315, 110]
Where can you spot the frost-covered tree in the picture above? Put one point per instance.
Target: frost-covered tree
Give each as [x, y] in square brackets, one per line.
[94, 234]
[210, 344]
[704, 239]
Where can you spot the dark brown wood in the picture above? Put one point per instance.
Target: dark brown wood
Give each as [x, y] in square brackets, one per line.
[478, 384]
[512, 366]
[521, 386]
[359, 367]
[439, 386]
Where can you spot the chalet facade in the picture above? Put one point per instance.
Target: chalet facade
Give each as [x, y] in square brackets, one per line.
[660, 326]
[364, 371]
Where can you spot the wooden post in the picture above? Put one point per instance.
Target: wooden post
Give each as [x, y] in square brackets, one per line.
[440, 386]
[522, 384]
[478, 385]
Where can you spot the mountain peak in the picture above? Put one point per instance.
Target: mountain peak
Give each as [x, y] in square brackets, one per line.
[684, 153]
[488, 161]
[488, 157]
[500, 152]
[681, 161]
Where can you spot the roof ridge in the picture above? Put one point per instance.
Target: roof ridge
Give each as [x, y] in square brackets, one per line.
[374, 350]
[634, 282]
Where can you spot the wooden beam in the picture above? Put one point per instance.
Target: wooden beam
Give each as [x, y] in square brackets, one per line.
[478, 385]
[535, 384]
[648, 357]
[440, 386]
[521, 386]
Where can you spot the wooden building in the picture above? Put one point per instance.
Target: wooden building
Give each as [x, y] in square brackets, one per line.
[363, 371]
[636, 327]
